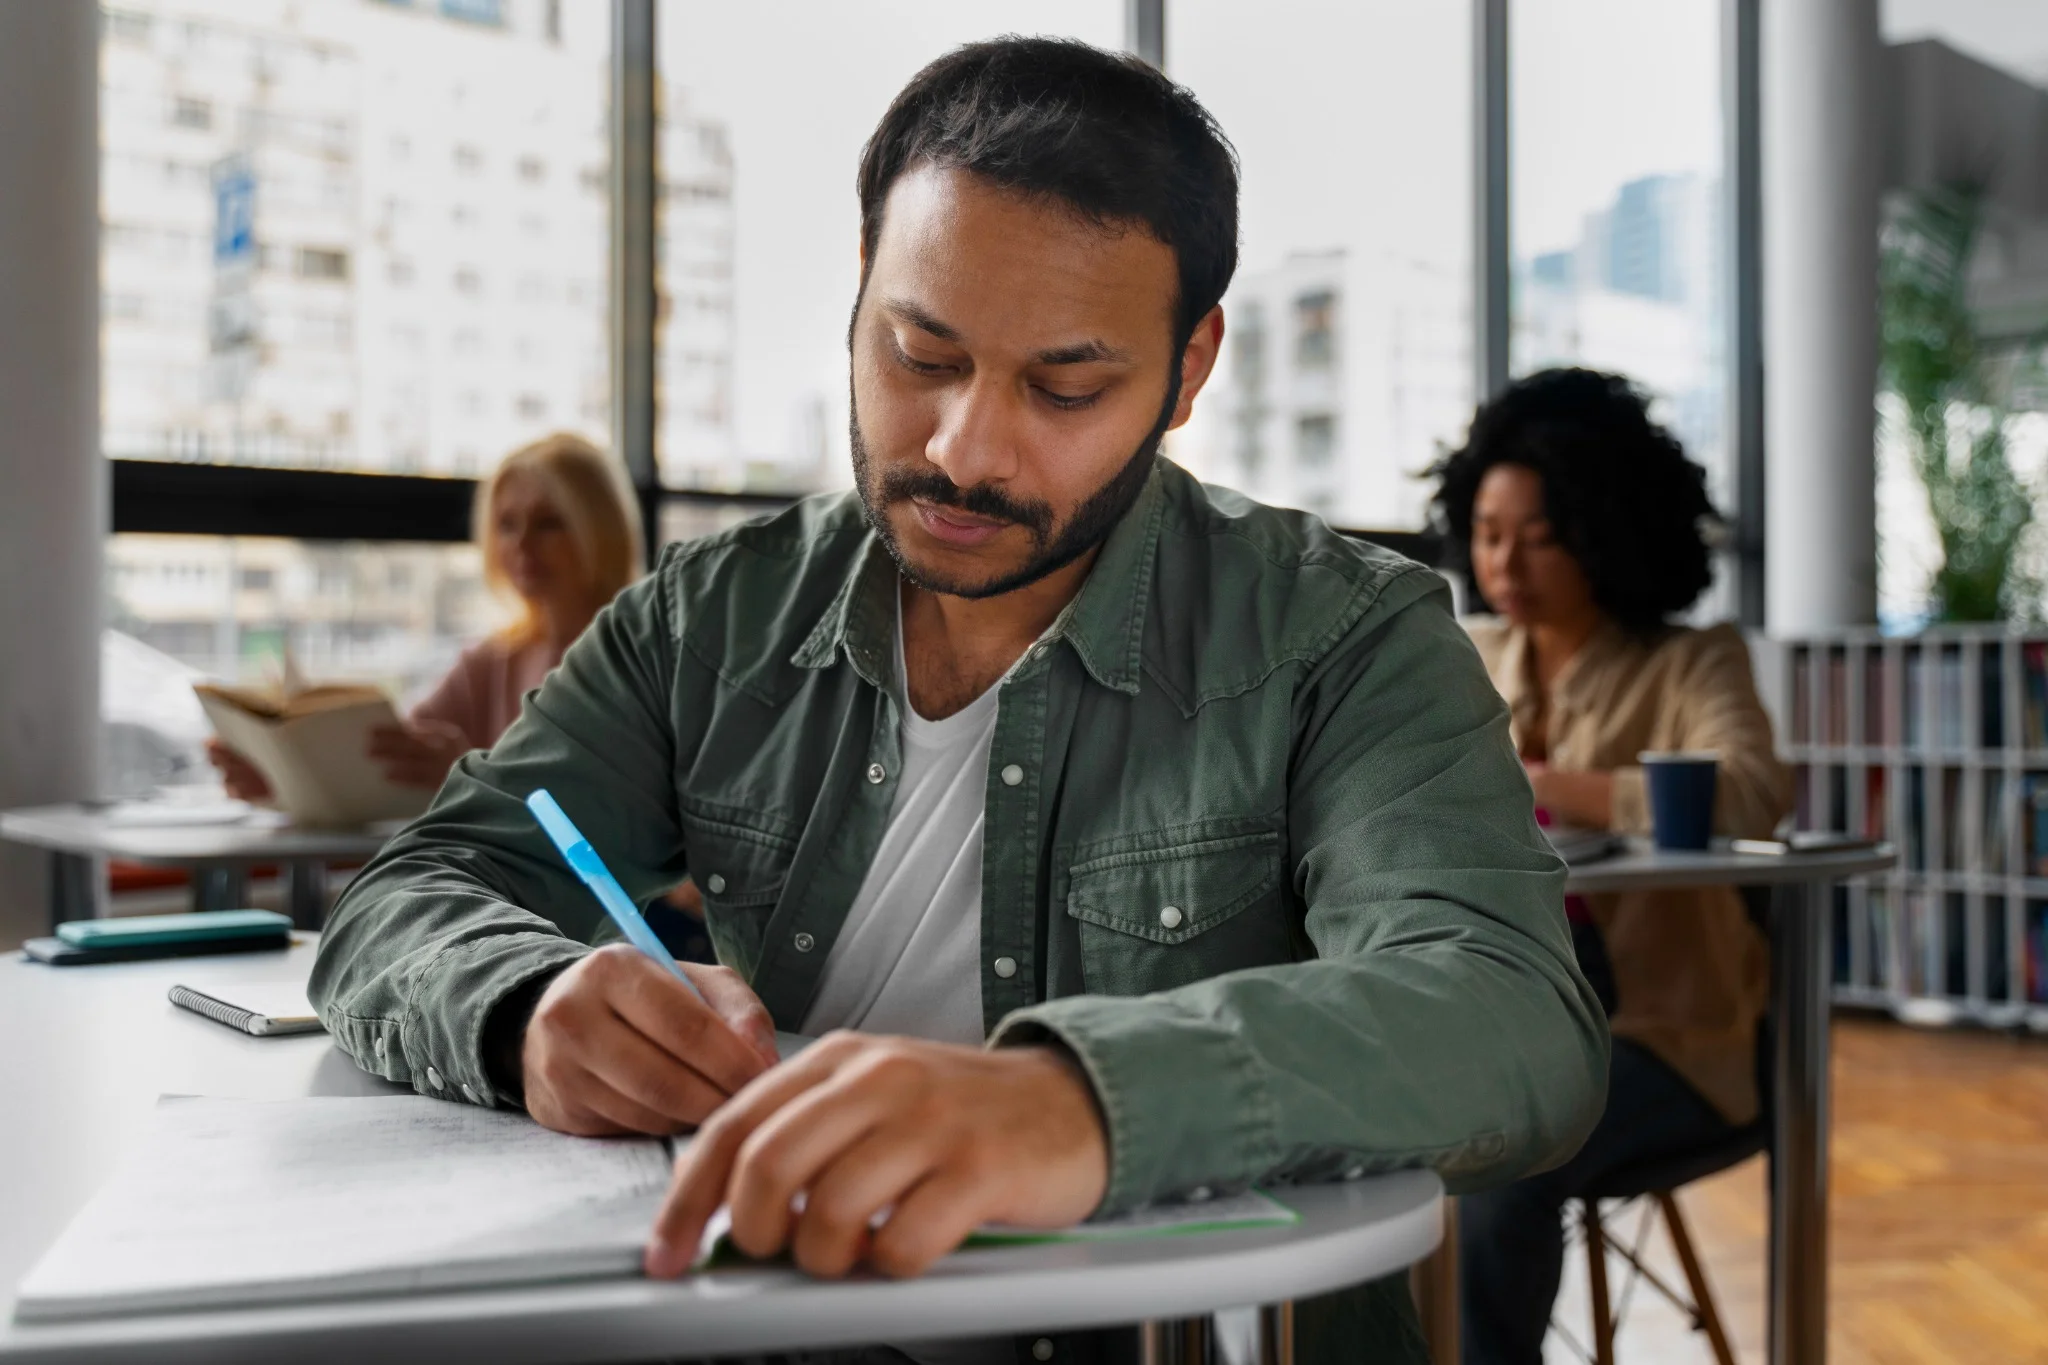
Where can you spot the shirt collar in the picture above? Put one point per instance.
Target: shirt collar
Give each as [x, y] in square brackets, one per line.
[1105, 623]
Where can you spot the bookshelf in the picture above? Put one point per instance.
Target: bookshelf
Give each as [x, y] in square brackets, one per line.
[1939, 743]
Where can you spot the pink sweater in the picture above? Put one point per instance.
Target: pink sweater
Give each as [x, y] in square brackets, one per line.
[481, 694]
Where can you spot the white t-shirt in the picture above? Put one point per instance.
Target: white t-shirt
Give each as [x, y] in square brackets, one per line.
[908, 957]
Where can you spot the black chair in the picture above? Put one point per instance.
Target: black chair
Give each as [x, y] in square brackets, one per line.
[1660, 1180]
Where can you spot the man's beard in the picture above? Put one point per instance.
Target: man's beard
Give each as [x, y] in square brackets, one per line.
[1090, 525]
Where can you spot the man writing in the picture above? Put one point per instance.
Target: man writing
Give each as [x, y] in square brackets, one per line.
[1155, 842]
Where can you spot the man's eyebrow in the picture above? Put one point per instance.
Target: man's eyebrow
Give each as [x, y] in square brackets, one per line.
[923, 321]
[1091, 352]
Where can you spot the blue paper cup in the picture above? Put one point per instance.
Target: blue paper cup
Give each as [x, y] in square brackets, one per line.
[1681, 791]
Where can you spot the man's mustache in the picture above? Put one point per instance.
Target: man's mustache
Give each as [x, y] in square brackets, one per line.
[983, 500]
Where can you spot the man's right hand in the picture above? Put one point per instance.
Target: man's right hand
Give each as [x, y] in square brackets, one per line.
[617, 1045]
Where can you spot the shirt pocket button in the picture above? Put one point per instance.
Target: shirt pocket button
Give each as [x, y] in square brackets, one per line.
[715, 884]
[1171, 917]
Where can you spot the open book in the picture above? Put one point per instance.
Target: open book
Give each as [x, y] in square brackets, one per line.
[232, 1203]
[312, 745]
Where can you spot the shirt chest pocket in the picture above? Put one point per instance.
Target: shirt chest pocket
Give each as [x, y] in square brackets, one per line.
[740, 871]
[1151, 919]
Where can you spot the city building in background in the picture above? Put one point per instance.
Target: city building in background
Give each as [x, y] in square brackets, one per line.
[1342, 378]
[1643, 293]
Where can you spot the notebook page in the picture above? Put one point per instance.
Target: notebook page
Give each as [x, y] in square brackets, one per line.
[245, 1201]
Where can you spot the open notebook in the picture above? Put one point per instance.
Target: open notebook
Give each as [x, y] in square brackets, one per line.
[230, 1203]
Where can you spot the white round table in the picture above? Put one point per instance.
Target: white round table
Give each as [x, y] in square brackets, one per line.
[90, 1048]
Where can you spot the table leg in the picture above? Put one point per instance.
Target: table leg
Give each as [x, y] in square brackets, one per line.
[1276, 1334]
[74, 887]
[1180, 1343]
[1802, 968]
[1434, 1284]
[220, 886]
[305, 892]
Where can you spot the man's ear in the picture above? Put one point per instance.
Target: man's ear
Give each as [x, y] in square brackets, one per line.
[1198, 362]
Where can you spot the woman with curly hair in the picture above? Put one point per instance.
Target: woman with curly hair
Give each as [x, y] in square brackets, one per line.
[1585, 528]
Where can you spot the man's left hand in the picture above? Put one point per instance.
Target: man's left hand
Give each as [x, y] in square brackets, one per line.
[900, 1149]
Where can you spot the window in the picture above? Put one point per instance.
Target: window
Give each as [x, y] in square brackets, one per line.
[329, 145]
[759, 224]
[281, 267]
[320, 263]
[182, 608]
[1620, 258]
[1315, 330]
[1315, 440]
[191, 113]
[1347, 359]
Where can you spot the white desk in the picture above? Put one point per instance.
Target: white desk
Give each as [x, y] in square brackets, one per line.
[218, 854]
[1802, 971]
[88, 1050]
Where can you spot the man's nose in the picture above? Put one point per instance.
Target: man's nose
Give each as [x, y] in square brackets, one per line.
[978, 435]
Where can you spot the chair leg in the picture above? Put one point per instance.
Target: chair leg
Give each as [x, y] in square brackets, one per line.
[1596, 1278]
[1696, 1277]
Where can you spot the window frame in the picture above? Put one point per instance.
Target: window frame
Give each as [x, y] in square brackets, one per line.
[201, 499]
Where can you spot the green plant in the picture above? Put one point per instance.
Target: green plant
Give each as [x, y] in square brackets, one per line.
[1955, 394]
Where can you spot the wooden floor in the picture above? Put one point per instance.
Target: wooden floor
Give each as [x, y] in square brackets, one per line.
[1939, 1226]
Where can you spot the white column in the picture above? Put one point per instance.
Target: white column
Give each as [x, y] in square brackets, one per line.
[52, 479]
[1821, 154]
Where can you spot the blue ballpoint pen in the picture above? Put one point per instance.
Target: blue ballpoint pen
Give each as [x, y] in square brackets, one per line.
[584, 862]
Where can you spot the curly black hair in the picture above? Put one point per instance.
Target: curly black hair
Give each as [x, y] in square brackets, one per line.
[1621, 495]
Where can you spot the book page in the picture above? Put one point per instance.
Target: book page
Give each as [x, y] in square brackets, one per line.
[245, 1201]
[318, 763]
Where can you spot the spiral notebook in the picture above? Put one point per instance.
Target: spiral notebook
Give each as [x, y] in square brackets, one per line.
[239, 1203]
[259, 1007]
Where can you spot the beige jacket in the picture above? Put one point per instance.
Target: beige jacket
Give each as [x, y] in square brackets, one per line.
[1690, 970]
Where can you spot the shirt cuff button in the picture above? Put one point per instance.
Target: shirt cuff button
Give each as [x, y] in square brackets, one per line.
[804, 943]
[434, 1078]
[876, 772]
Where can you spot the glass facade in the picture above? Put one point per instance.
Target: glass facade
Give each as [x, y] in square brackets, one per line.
[1618, 205]
[1347, 364]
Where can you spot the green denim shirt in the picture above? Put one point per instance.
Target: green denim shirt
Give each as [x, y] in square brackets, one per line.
[1280, 733]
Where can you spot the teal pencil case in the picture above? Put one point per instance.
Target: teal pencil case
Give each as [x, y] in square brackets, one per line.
[205, 926]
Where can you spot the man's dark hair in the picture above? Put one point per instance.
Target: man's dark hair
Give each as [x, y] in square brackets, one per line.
[1103, 134]
[1620, 494]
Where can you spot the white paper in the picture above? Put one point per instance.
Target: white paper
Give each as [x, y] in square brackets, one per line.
[245, 1201]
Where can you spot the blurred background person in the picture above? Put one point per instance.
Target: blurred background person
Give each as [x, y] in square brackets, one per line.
[1585, 528]
[559, 532]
